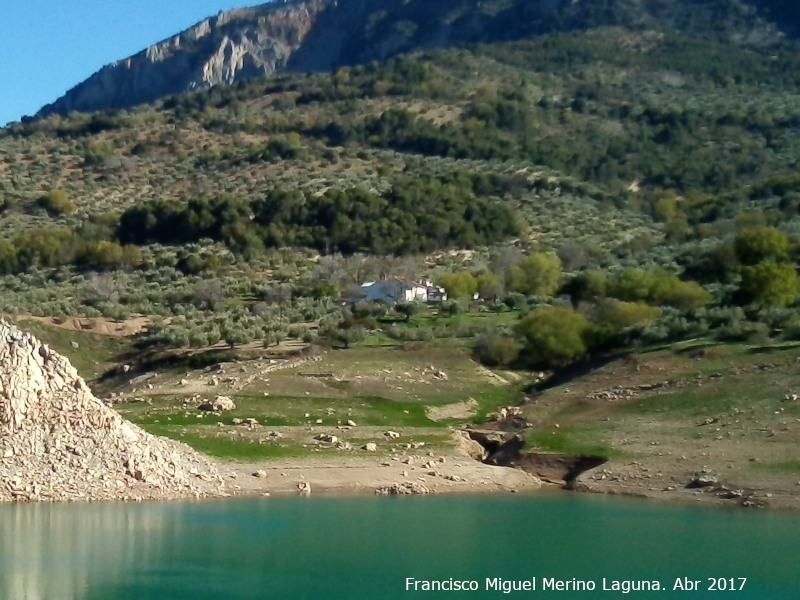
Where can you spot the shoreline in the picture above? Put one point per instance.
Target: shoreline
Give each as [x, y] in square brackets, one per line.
[360, 477]
[444, 473]
[356, 476]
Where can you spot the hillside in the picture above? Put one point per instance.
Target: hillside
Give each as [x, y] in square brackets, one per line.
[586, 197]
[305, 36]
[655, 154]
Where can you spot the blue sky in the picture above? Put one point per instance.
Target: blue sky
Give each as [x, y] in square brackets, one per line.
[49, 46]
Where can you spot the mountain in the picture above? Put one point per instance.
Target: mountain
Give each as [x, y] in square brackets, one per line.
[300, 36]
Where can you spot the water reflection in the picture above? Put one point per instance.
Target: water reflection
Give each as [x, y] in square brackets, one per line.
[59, 552]
[364, 548]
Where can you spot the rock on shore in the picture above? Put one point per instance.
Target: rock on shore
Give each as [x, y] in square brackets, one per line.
[60, 443]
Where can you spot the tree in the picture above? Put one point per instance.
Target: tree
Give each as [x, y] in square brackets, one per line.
[588, 285]
[236, 335]
[350, 335]
[505, 258]
[683, 295]
[461, 285]
[9, 262]
[208, 293]
[572, 255]
[101, 288]
[489, 287]
[57, 202]
[658, 287]
[611, 316]
[409, 309]
[497, 350]
[758, 243]
[537, 275]
[553, 335]
[770, 283]
[103, 255]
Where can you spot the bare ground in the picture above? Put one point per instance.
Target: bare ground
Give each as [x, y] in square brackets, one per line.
[452, 473]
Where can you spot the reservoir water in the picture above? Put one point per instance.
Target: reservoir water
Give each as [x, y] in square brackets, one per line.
[368, 548]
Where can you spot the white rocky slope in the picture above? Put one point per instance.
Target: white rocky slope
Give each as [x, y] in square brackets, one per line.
[235, 45]
[60, 443]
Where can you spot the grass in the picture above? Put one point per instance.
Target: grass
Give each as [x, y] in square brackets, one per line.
[225, 448]
[579, 441]
[788, 466]
[292, 411]
[246, 446]
[94, 352]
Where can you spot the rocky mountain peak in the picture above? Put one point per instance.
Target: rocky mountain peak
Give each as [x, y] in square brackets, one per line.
[239, 44]
[303, 36]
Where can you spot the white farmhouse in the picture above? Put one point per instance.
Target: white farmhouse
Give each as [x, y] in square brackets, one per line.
[396, 290]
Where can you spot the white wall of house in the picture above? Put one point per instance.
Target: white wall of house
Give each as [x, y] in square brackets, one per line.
[394, 291]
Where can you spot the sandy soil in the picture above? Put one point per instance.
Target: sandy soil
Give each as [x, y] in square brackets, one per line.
[459, 410]
[99, 326]
[663, 481]
[451, 473]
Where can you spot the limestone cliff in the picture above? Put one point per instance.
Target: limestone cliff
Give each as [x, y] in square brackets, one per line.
[302, 36]
[59, 442]
[240, 44]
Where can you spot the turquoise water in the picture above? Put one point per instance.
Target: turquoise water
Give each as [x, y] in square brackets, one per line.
[359, 548]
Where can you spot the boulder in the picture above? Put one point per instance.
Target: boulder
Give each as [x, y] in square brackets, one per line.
[219, 404]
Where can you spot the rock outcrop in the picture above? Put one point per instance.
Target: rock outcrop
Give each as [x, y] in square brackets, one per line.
[235, 45]
[301, 36]
[60, 443]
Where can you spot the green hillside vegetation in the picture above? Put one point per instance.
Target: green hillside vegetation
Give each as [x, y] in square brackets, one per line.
[625, 186]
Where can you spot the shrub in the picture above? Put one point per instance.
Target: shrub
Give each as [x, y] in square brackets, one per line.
[459, 285]
[208, 293]
[554, 335]
[614, 315]
[496, 350]
[56, 203]
[771, 284]
[408, 309]
[537, 275]
[759, 243]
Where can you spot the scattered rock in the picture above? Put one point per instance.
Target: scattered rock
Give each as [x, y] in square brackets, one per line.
[392, 435]
[403, 489]
[219, 404]
[328, 439]
[260, 474]
[703, 479]
[370, 447]
[507, 412]
[60, 443]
